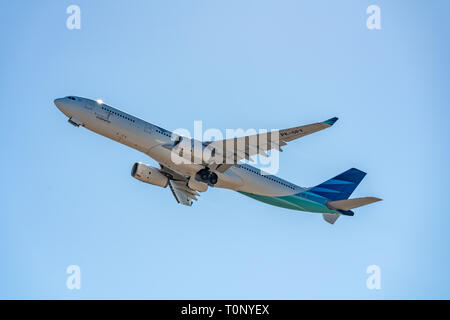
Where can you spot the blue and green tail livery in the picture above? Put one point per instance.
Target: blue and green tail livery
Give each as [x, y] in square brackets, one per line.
[331, 198]
[341, 186]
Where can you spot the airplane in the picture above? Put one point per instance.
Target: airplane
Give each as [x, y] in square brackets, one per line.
[187, 179]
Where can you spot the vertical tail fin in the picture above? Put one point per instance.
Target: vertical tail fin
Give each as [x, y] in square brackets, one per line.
[341, 186]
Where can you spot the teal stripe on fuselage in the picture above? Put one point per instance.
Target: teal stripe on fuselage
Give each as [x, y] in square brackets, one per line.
[294, 202]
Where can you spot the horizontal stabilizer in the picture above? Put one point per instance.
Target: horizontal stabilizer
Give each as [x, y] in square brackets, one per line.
[351, 203]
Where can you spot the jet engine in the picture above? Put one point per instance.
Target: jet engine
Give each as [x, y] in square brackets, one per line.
[149, 174]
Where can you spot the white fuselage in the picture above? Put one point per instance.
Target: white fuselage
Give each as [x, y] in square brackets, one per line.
[150, 139]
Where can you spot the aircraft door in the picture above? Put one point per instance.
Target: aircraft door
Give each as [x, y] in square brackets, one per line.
[100, 111]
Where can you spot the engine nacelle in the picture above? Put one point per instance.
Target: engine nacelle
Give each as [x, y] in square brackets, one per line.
[149, 174]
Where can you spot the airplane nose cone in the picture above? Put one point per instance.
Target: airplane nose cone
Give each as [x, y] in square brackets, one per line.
[58, 103]
[63, 106]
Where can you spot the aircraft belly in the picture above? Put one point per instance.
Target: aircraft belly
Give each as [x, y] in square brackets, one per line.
[164, 156]
[101, 127]
[293, 202]
[259, 185]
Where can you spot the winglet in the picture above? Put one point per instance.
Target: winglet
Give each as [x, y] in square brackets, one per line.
[331, 121]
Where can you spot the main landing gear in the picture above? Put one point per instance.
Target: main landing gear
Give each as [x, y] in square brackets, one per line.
[206, 176]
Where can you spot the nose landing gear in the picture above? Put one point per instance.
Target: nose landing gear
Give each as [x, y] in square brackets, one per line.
[75, 122]
[206, 176]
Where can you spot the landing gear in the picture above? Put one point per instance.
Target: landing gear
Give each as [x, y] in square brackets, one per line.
[206, 176]
[75, 122]
[213, 178]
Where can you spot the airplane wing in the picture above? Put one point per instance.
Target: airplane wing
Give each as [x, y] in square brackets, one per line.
[234, 150]
[182, 193]
[178, 185]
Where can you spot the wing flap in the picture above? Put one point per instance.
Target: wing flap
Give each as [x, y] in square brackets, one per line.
[181, 194]
[178, 185]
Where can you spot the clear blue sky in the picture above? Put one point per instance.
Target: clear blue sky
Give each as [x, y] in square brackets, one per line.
[67, 196]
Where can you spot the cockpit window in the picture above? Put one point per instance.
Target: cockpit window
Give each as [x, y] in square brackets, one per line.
[71, 98]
